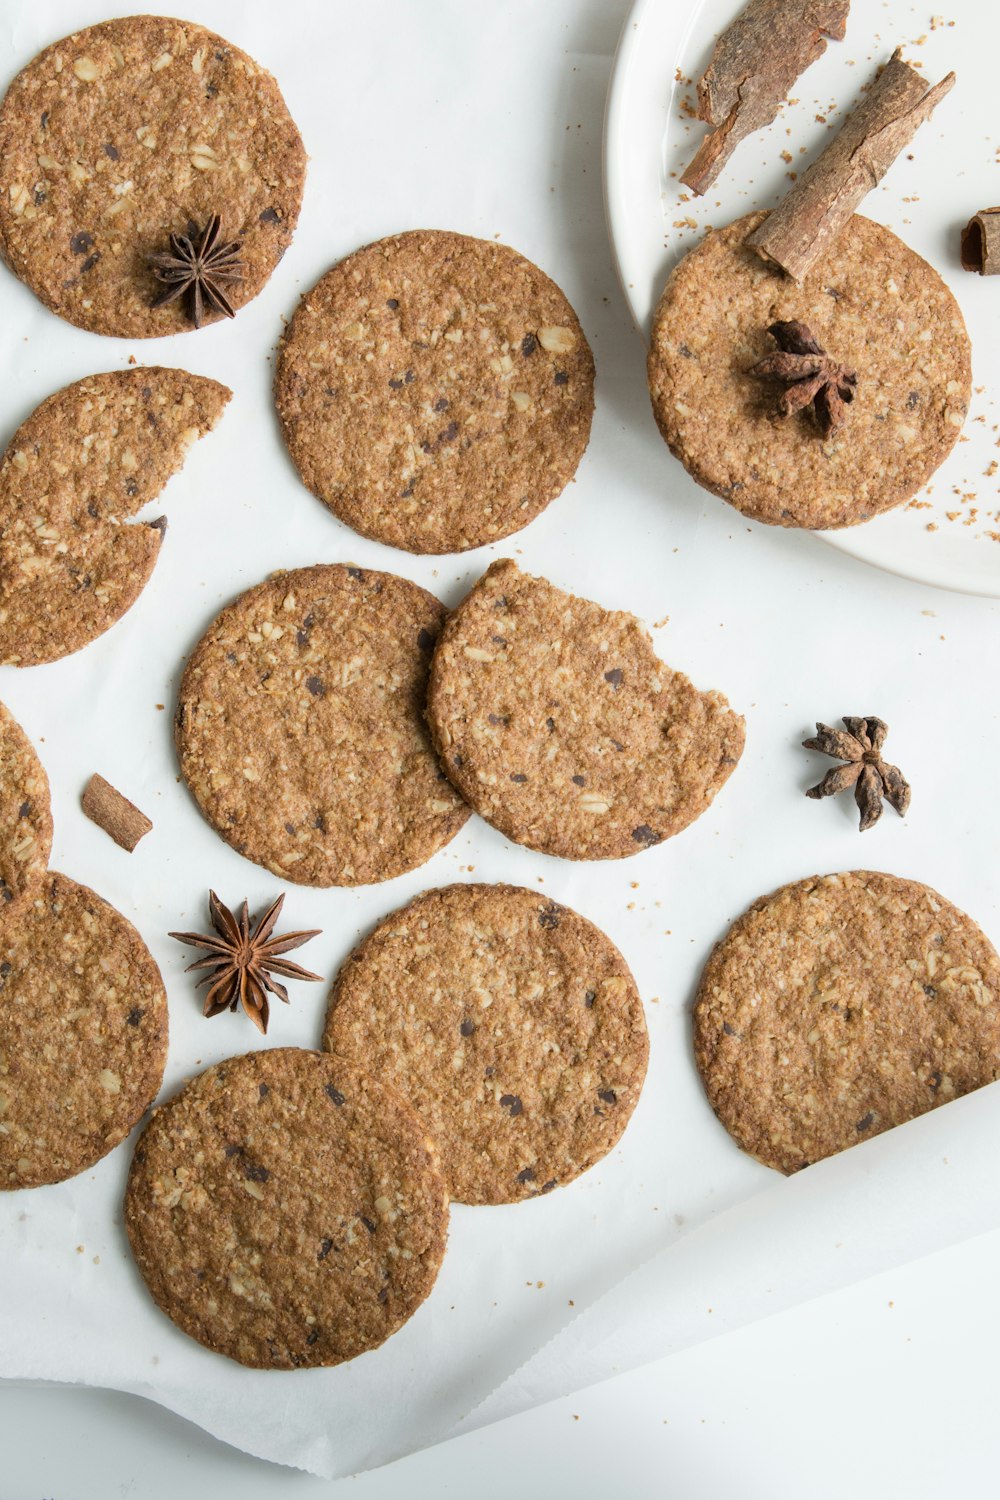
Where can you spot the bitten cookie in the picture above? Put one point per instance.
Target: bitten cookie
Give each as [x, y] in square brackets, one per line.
[74, 474]
[83, 1032]
[124, 133]
[435, 391]
[841, 1006]
[286, 1210]
[338, 783]
[876, 308]
[558, 723]
[25, 813]
[511, 1024]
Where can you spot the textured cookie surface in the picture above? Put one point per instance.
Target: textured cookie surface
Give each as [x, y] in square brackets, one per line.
[286, 1210]
[81, 466]
[872, 304]
[83, 1032]
[841, 1006]
[25, 814]
[435, 391]
[558, 723]
[122, 134]
[510, 1023]
[338, 784]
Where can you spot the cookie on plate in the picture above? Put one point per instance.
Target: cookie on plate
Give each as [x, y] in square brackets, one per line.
[435, 391]
[83, 1032]
[558, 723]
[25, 813]
[127, 132]
[338, 783]
[73, 476]
[877, 309]
[286, 1210]
[510, 1023]
[840, 1006]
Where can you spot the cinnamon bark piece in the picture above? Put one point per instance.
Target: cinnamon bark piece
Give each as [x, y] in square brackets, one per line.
[981, 243]
[753, 66]
[120, 818]
[808, 220]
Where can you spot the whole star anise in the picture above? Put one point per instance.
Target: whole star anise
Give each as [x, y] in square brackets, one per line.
[200, 265]
[242, 962]
[871, 777]
[811, 376]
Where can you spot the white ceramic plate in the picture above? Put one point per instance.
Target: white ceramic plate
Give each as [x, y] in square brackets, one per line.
[950, 535]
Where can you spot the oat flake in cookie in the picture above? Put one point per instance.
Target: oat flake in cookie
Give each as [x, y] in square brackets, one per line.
[878, 311]
[124, 133]
[286, 1210]
[510, 1023]
[25, 813]
[558, 723]
[840, 1006]
[74, 475]
[435, 391]
[83, 1032]
[300, 727]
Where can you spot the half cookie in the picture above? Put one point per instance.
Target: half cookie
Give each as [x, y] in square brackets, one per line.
[435, 391]
[875, 310]
[84, 463]
[558, 723]
[83, 1032]
[510, 1023]
[128, 132]
[25, 814]
[338, 784]
[839, 1007]
[286, 1211]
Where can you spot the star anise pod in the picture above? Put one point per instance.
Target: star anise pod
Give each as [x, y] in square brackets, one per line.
[871, 777]
[242, 962]
[811, 376]
[198, 264]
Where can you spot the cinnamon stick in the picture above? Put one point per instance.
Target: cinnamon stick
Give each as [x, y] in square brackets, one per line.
[119, 817]
[810, 217]
[754, 64]
[981, 242]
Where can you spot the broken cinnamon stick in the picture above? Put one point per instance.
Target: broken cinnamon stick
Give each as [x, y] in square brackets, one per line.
[119, 817]
[810, 217]
[981, 243]
[754, 64]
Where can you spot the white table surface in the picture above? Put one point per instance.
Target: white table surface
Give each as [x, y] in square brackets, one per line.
[887, 1387]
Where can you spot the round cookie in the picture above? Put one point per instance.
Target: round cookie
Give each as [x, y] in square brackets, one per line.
[81, 466]
[558, 723]
[873, 305]
[435, 391]
[286, 1210]
[840, 1006]
[122, 134]
[25, 814]
[511, 1024]
[338, 784]
[83, 1032]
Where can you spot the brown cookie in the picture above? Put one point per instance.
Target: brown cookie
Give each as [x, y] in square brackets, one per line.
[338, 784]
[841, 1006]
[558, 723]
[122, 134]
[85, 462]
[435, 391]
[874, 306]
[286, 1210]
[25, 814]
[83, 1032]
[510, 1023]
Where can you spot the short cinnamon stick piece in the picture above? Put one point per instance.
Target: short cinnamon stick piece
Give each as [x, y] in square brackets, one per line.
[981, 242]
[755, 62]
[119, 817]
[810, 217]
